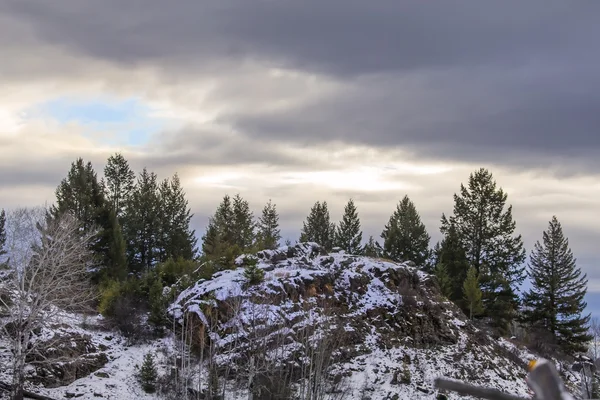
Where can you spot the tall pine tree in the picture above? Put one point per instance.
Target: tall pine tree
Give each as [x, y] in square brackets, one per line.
[82, 195]
[143, 223]
[2, 233]
[555, 301]
[120, 182]
[405, 237]
[487, 233]
[175, 237]
[230, 232]
[243, 224]
[268, 232]
[348, 235]
[318, 227]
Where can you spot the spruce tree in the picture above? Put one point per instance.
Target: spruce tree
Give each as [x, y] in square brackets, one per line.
[472, 293]
[555, 301]
[148, 374]
[486, 231]
[230, 232]
[243, 224]
[405, 237]
[175, 237]
[143, 223]
[2, 232]
[348, 235]
[268, 233]
[451, 254]
[372, 248]
[82, 195]
[317, 227]
[120, 182]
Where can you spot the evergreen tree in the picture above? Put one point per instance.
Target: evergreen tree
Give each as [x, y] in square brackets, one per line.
[372, 248]
[486, 231]
[472, 293]
[444, 281]
[317, 227]
[452, 255]
[175, 238]
[82, 195]
[555, 301]
[268, 234]
[148, 374]
[243, 224]
[219, 232]
[143, 224]
[348, 235]
[230, 231]
[2, 232]
[405, 237]
[111, 245]
[120, 182]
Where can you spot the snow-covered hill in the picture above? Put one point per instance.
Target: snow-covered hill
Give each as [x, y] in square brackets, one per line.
[389, 330]
[341, 326]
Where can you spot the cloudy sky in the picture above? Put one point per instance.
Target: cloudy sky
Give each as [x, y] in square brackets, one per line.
[305, 100]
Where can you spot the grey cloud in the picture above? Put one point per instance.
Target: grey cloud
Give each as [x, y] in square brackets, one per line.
[509, 82]
[349, 37]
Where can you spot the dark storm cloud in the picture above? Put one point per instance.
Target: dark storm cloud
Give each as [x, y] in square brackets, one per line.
[510, 82]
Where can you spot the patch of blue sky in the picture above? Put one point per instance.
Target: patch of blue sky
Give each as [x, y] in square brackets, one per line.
[112, 121]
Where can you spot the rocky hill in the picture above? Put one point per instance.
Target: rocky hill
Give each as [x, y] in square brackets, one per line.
[372, 328]
[296, 319]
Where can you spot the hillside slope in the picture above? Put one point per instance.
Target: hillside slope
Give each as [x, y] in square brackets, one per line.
[373, 328]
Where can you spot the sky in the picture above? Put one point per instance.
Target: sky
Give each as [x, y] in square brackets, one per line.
[299, 101]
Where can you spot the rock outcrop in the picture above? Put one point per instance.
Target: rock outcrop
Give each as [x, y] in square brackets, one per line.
[365, 317]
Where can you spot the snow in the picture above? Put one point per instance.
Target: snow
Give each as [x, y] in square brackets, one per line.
[282, 308]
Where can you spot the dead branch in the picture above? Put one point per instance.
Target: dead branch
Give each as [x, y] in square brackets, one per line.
[475, 391]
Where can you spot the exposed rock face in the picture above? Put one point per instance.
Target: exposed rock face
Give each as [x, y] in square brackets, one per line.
[370, 313]
[67, 356]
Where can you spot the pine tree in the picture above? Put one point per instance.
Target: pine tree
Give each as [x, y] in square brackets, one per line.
[405, 237]
[372, 248]
[348, 235]
[143, 224]
[472, 293]
[230, 232]
[243, 224]
[486, 231]
[2, 232]
[120, 183]
[452, 255]
[175, 237]
[317, 227]
[441, 273]
[82, 195]
[555, 301]
[268, 235]
[148, 374]
[111, 245]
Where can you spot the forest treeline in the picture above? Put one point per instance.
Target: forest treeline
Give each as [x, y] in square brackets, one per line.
[143, 243]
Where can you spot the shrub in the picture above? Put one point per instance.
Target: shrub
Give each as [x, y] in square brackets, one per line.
[254, 274]
[109, 295]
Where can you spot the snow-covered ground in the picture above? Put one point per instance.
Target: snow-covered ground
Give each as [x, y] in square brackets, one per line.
[401, 334]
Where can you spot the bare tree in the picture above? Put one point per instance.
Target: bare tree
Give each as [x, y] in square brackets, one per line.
[47, 274]
[594, 349]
